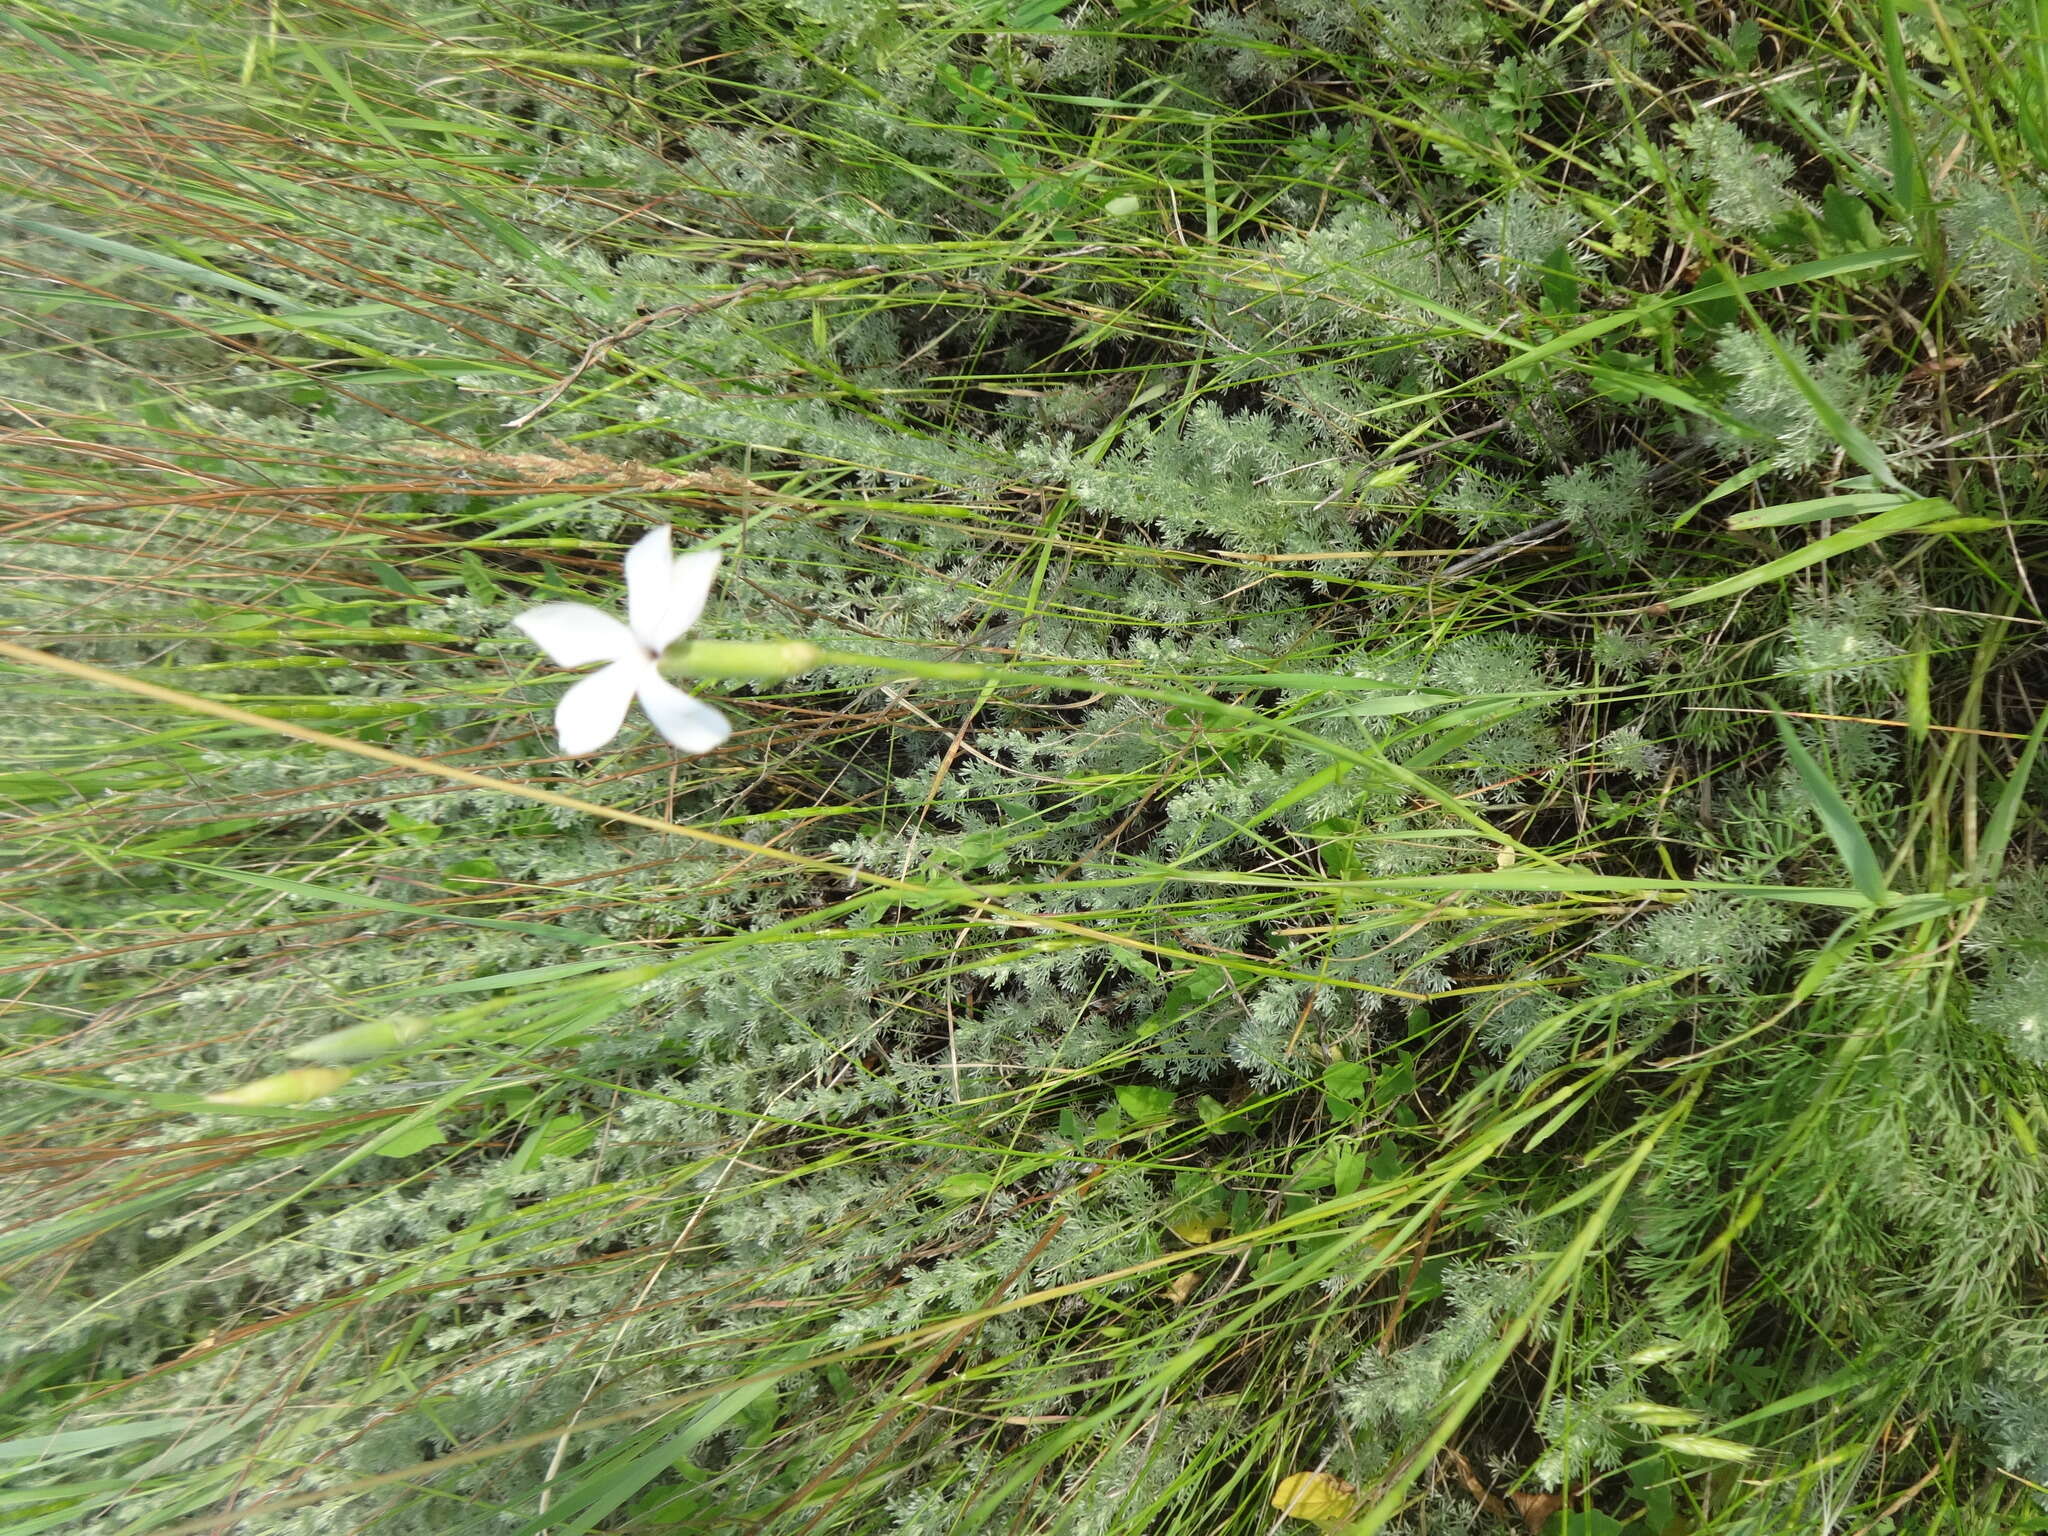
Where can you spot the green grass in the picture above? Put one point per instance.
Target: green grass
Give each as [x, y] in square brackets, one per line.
[1412, 852]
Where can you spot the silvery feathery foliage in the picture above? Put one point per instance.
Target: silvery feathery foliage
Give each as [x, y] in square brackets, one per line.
[685, 1115]
[1998, 239]
[1744, 181]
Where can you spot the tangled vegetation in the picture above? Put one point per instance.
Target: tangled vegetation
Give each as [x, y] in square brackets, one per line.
[1407, 892]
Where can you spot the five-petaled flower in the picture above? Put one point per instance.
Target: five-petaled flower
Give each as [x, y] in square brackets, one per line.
[664, 594]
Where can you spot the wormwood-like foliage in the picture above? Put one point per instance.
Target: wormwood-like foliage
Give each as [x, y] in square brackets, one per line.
[1282, 936]
[1745, 181]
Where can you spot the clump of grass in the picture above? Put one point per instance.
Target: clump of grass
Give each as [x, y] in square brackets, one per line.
[1408, 893]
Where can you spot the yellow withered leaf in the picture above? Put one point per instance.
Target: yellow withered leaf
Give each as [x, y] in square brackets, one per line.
[1316, 1497]
[1193, 1229]
[293, 1087]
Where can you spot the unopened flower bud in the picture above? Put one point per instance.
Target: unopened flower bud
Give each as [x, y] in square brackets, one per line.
[280, 1088]
[754, 661]
[360, 1040]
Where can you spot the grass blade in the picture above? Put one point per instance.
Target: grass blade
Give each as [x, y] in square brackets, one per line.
[2005, 815]
[1901, 519]
[1866, 871]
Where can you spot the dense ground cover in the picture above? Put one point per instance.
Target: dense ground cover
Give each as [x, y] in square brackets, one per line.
[1410, 885]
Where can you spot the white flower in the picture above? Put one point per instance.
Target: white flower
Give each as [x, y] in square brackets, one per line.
[664, 595]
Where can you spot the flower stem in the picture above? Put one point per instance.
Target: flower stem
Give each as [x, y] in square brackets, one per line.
[1237, 714]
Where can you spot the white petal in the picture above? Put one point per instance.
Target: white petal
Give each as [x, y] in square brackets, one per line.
[575, 634]
[688, 723]
[664, 594]
[648, 565]
[592, 711]
[689, 585]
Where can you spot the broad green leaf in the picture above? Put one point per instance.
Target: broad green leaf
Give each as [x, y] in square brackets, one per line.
[1344, 1087]
[1217, 1119]
[1185, 995]
[1348, 1171]
[1585, 1522]
[965, 1186]
[1143, 1103]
